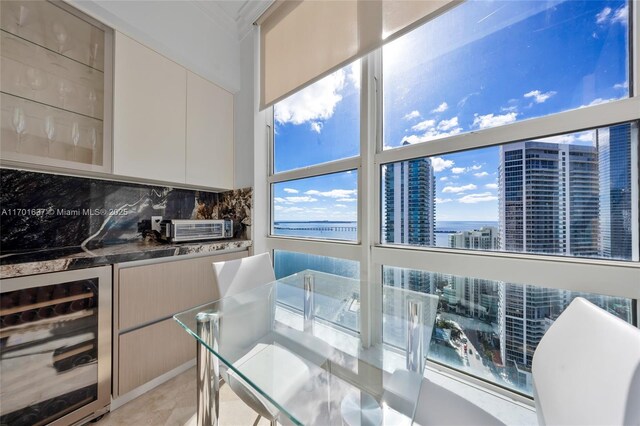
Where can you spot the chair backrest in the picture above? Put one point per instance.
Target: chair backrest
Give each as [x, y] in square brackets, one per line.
[586, 369]
[235, 276]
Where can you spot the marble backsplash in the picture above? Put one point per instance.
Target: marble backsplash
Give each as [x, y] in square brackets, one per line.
[41, 211]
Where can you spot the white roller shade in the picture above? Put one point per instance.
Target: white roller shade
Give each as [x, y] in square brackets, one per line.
[302, 41]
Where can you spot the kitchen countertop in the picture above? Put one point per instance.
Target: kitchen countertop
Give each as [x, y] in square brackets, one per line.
[67, 258]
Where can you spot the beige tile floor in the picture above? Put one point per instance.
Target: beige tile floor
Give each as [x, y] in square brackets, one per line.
[174, 404]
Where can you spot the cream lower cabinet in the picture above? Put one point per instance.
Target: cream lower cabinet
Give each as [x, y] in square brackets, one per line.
[147, 341]
[149, 120]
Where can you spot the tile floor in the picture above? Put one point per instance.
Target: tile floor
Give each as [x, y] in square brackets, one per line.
[174, 404]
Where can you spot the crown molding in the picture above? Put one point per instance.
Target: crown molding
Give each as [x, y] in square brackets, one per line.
[249, 13]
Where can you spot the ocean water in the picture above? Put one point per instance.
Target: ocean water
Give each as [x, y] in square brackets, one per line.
[348, 230]
[287, 263]
[322, 229]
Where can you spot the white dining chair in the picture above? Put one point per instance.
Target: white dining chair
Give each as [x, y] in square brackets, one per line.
[586, 369]
[439, 406]
[236, 276]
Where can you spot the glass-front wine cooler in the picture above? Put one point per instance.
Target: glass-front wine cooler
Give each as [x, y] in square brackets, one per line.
[55, 347]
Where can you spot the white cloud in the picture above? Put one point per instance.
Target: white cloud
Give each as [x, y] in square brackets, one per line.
[538, 96]
[621, 86]
[607, 15]
[621, 15]
[477, 198]
[301, 199]
[339, 205]
[279, 200]
[431, 132]
[448, 124]
[430, 135]
[347, 200]
[598, 101]
[603, 15]
[444, 179]
[354, 74]
[290, 190]
[413, 114]
[316, 126]
[491, 186]
[443, 200]
[464, 100]
[441, 108]
[481, 174]
[458, 189]
[289, 209]
[491, 120]
[476, 167]
[440, 164]
[458, 170]
[423, 125]
[334, 193]
[316, 102]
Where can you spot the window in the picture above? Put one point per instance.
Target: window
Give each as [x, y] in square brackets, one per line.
[505, 223]
[566, 195]
[320, 123]
[490, 329]
[317, 207]
[486, 64]
[316, 146]
[342, 311]
[289, 263]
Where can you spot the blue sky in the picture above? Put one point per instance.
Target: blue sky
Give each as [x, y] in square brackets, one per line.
[509, 61]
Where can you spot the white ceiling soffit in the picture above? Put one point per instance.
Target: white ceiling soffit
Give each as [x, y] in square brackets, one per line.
[236, 16]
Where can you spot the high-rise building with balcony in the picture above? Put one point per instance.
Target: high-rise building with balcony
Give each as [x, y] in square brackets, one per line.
[410, 207]
[409, 214]
[485, 238]
[469, 296]
[548, 204]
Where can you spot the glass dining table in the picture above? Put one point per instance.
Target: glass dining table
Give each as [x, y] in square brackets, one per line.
[296, 347]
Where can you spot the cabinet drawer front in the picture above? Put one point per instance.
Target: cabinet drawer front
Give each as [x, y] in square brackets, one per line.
[152, 292]
[149, 352]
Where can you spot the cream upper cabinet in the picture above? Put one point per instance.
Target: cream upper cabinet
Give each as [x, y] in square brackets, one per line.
[149, 123]
[210, 153]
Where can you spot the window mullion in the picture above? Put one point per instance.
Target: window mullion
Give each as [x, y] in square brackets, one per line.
[560, 123]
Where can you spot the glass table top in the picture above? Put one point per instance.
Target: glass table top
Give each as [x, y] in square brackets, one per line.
[295, 346]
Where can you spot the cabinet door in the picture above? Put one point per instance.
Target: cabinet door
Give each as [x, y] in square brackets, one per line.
[209, 134]
[149, 352]
[149, 113]
[150, 292]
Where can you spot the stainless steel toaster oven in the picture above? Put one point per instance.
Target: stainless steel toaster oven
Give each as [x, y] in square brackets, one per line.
[195, 230]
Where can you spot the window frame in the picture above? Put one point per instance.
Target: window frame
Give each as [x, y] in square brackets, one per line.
[603, 276]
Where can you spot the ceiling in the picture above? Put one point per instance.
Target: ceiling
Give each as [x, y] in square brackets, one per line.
[237, 16]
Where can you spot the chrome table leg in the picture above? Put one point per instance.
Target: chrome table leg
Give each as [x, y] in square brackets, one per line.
[208, 383]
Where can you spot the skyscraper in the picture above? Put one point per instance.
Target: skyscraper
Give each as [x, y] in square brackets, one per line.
[614, 157]
[549, 198]
[548, 204]
[409, 215]
[410, 208]
[469, 296]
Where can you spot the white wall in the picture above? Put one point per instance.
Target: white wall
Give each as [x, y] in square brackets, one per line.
[245, 109]
[179, 30]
